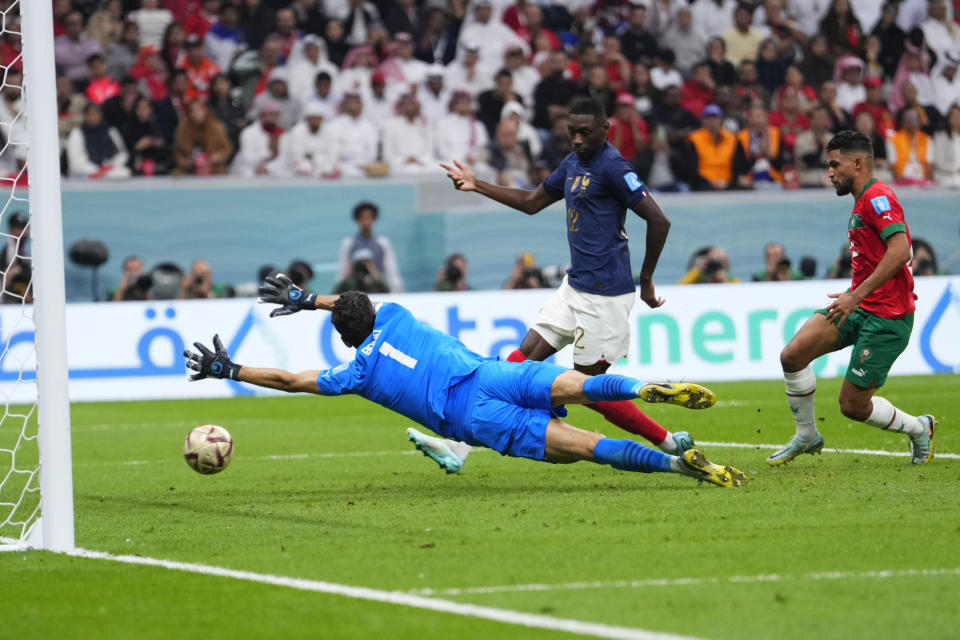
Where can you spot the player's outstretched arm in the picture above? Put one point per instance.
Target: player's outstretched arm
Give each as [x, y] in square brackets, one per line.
[217, 364]
[658, 226]
[281, 290]
[526, 200]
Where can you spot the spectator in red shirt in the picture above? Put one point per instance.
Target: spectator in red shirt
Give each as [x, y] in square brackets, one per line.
[747, 87]
[629, 134]
[806, 96]
[152, 73]
[199, 21]
[530, 25]
[883, 120]
[789, 119]
[617, 66]
[101, 85]
[697, 92]
[200, 69]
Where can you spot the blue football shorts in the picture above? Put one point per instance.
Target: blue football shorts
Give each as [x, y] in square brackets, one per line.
[504, 406]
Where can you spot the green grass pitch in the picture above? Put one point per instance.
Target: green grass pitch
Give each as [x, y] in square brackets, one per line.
[328, 489]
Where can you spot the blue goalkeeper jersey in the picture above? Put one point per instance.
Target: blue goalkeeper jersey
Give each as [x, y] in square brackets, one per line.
[404, 365]
[597, 194]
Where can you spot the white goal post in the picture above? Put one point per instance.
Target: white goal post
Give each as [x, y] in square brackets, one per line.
[48, 524]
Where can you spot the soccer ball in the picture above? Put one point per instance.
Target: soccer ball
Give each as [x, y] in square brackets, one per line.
[208, 449]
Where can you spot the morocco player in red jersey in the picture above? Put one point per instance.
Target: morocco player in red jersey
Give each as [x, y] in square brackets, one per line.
[875, 315]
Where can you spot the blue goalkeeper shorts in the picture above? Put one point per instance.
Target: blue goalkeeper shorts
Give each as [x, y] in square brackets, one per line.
[504, 406]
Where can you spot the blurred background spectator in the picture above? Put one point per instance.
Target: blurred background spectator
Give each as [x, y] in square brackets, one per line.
[924, 259]
[525, 274]
[708, 265]
[946, 146]
[777, 265]
[376, 248]
[134, 283]
[201, 146]
[470, 65]
[96, 150]
[453, 274]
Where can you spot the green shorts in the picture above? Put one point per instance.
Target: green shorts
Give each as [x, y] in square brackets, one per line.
[877, 342]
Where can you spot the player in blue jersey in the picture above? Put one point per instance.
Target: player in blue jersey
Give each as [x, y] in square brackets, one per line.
[591, 309]
[434, 380]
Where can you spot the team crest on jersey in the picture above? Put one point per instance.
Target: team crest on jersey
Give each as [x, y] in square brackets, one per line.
[864, 355]
[880, 204]
[582, 182]
[632, 181]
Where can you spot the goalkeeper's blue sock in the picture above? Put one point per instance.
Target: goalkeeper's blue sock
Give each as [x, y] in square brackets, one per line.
[611, 387]
[627, 455]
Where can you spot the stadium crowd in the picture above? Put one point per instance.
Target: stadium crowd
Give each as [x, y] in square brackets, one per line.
[702, 94]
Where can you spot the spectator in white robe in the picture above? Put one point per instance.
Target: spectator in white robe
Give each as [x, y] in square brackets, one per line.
[466, 73]
[940, 32]
[310, 147]
[491, 35]
[460, 136]
[259, 149]
[304, 69]
[434, 96]
[357, 138]
[408, 140]
[525, 77]
[946, 81]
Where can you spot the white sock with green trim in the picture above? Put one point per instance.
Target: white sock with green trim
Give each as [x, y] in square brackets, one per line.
[887, 417]
[801, 386]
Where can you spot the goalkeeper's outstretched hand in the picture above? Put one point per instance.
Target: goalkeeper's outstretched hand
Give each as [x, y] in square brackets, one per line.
[210, 364]
[280, 290]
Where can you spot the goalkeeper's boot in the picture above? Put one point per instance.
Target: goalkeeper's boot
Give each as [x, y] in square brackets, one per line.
[686, 394]
[696, 465]
[684, 442]
[436, 449]
[795, 447]
[921, 446]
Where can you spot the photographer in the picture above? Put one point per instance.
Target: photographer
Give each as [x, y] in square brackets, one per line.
[778, 265]
[15, 261]
[453, 274]
[525, 275]
[134, 284]
[365, 214]
[363, 274]
[198, 283]
[924, 259]
[709, 265]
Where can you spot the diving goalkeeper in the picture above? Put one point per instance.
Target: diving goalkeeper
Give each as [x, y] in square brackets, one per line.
[433, 379]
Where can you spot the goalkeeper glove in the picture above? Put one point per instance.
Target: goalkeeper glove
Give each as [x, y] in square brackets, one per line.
[208, 364]
[280, 290]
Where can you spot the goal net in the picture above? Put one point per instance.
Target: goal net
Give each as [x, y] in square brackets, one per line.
[36, 504]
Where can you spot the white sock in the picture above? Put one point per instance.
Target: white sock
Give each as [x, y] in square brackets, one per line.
[461, 449]
[669, 445]
[887, 417]
[800, 389]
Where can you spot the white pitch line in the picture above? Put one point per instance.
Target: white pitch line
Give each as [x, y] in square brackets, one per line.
[595, 629]
[686, 582]
[288, 456]
[364, 454]
[868, 452]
